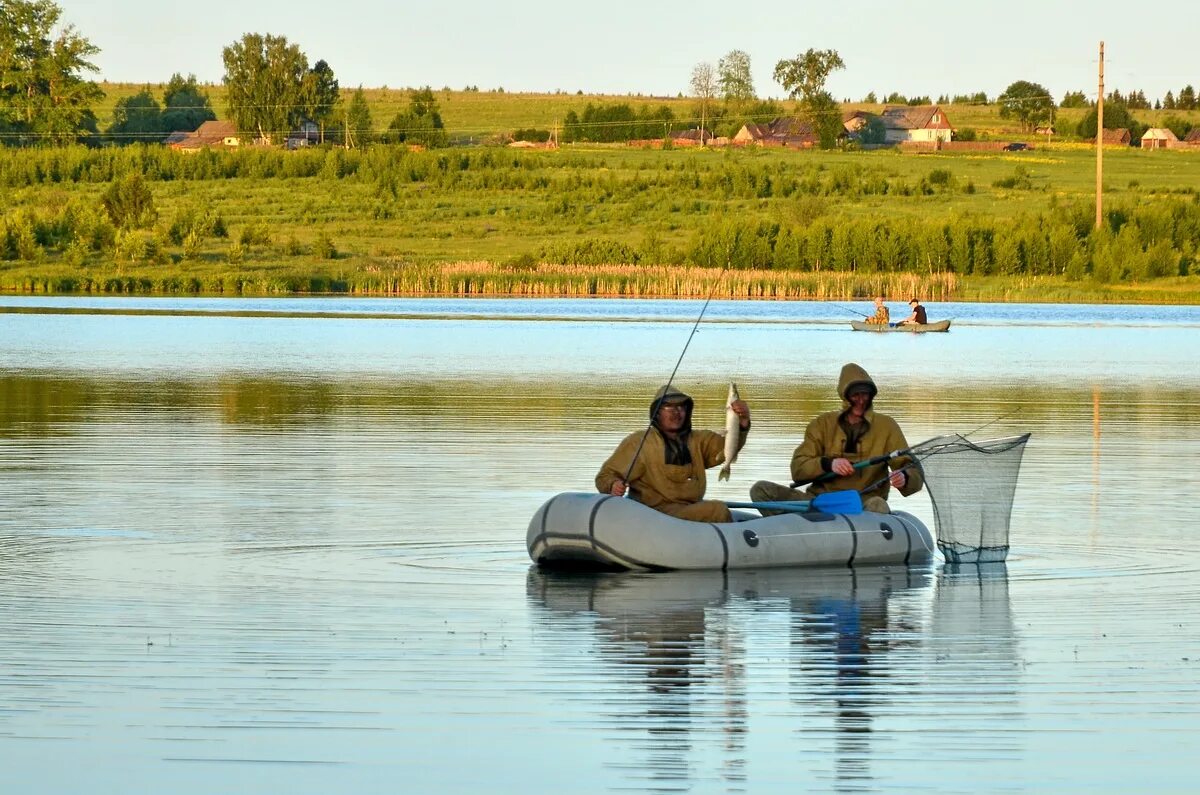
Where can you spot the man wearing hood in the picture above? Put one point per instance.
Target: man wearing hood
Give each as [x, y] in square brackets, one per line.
[668, 474]
[836, 440]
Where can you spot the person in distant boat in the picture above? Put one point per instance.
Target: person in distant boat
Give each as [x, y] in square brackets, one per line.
[917, 317]
[835, 440]
[881, 317]
[668, 474]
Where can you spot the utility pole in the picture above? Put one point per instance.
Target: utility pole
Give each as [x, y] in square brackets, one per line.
[1100, 144]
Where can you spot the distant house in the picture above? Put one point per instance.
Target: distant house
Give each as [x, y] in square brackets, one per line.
[693, 137]
[915, 123]
[1159, 138]
[1116, 137]
[785, 131]
[1193, 137]
[752, 133]
[854, 120]
[307, 133]
[208, 134]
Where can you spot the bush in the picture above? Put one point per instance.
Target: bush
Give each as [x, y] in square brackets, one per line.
[129, 203]
[323, 248]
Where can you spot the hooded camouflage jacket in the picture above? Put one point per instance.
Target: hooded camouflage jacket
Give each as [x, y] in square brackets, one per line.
[655, 482]
[825, 440]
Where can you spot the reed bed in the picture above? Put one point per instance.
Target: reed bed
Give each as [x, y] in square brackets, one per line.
[636, 281]
[542, 280]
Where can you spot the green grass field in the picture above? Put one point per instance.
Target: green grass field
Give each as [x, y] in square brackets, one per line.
[396, 211]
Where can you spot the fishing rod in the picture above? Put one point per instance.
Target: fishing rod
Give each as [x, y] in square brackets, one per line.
[666, 390]
[880, 459]
[848, 309]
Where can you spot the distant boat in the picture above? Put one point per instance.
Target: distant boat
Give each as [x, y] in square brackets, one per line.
[914, 328]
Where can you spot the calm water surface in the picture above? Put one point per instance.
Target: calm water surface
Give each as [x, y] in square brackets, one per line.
[278, 546]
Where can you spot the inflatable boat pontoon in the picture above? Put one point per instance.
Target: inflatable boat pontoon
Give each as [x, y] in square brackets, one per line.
[599, 531]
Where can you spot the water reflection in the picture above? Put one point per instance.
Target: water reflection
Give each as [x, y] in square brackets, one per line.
[322, 520]
[683, 654]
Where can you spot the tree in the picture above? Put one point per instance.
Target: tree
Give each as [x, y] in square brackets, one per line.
[874, 131]
[733, 75]
[42, 92]
[1028, 103]
[321, 94]
[803, 77]
[129, 203]
[137, 118]
[421, 123]
[704, 88]
[1186, 99]
[1074, 99]
[358, 120]
[264, 78]
[185, 105]
[1116, 117]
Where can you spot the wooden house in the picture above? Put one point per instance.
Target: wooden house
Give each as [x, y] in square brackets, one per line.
[693, 137]
[916, 124]
[1117, 137]
[307, 133]
[785, 131]
[209, 134]
[1159, 138]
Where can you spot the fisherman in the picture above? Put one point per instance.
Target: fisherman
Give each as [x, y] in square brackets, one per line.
[917, 317]
[668, 474]
[881, 317]
[835, 440]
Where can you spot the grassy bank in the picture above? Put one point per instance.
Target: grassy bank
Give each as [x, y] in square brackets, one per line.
[981, 226]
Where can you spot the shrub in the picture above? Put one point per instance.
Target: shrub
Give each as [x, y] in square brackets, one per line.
[323, 248]
[129, 203]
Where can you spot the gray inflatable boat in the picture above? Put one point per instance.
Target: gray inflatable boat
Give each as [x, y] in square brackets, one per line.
[599, 531]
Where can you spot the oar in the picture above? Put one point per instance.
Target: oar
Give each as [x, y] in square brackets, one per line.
[830, 502]
[879, 459]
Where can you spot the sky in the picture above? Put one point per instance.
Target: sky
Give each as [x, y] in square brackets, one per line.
[650, 47]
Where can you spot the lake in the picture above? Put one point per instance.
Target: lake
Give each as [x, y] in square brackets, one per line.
[277, 545]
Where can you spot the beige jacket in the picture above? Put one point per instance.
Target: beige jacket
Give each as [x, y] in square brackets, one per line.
[825, 440]
[655, 482]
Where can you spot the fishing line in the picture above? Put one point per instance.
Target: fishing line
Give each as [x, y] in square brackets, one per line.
[658, 403]
[848, 309]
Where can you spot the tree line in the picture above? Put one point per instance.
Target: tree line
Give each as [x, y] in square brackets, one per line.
[46, 98]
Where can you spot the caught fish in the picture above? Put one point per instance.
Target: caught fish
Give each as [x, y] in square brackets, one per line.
[733, 425]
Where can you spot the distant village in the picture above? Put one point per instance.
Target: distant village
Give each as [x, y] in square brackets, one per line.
[909, 128]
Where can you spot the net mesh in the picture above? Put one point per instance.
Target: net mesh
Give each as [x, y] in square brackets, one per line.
[971, 485]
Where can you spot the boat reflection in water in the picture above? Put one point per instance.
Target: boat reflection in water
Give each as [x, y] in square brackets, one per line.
[706, 671]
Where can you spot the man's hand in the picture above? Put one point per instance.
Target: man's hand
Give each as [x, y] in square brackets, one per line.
[842, 466]
[618, 488]
[898, 479]
[743, 411]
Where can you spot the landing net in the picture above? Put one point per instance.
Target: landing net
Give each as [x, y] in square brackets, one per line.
[971, 485]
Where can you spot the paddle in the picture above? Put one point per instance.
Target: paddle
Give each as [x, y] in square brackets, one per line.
[879, 459]
[918, 449]
[849, 502]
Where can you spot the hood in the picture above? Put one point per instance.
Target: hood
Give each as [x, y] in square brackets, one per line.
[853, 374]
[668, 392]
